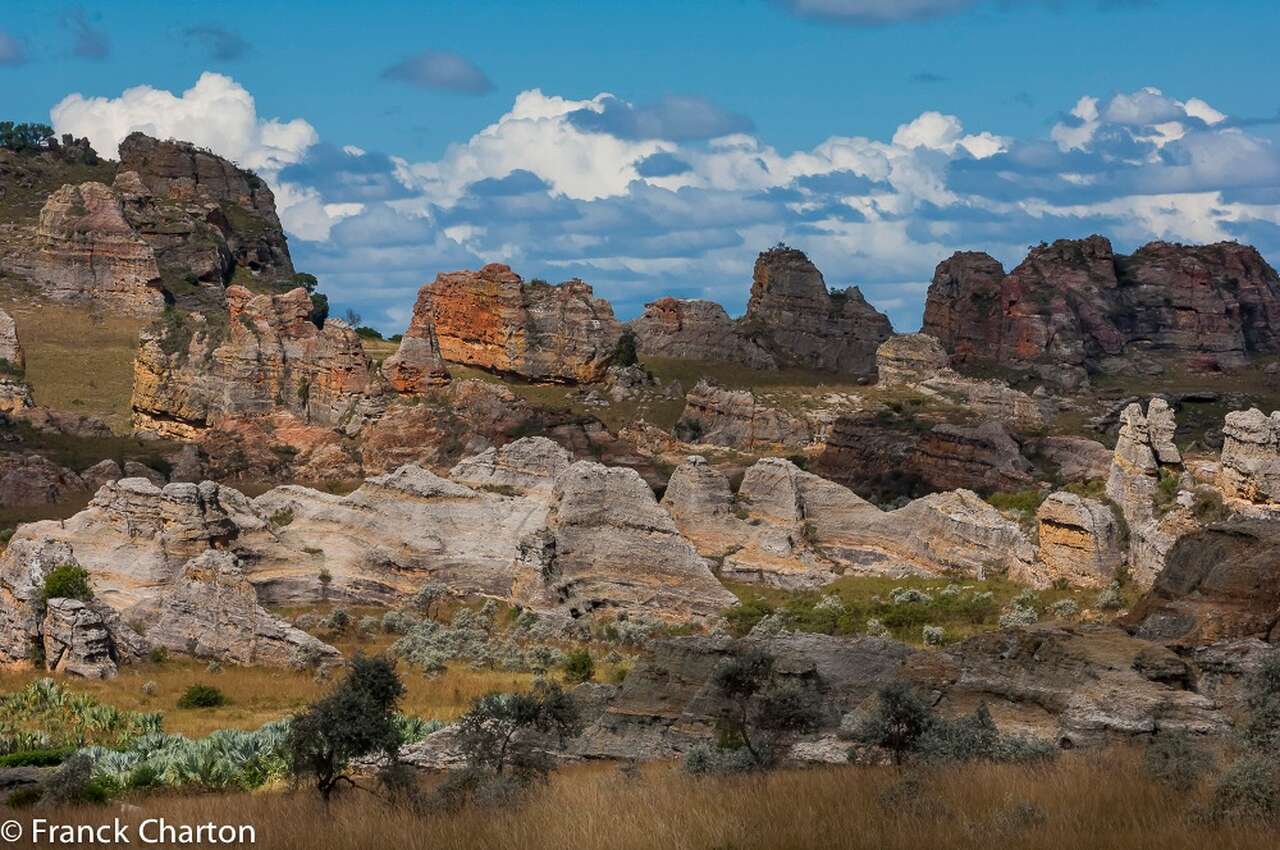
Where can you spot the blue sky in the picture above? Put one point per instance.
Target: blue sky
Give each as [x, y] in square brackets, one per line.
[384, 182]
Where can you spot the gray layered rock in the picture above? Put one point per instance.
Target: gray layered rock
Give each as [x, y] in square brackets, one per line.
[211, 611]
[1250, 464]
[721, 417]
[696, 330]
[10, 346]
[984, 457]
[76, 640]
[1078, 459]
[27, 478]
[910, 359]
[524, 467]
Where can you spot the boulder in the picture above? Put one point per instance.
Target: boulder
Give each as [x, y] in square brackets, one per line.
[1250, 464]
[1077, 459]
[27, 478]
[102, 472]
[417, 363]
[525, 467]
[696, 330]
[910, 359]
[807, 325]
[10, 346]
[76, 641]
[1219, 583]
[1077, 305]
[494, 320]
[608, 545]
[1079, 540]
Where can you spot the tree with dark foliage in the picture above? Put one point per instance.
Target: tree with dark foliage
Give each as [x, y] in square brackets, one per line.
[511, 731]
[24, 138]
[757, 707]
[898, 722]
[357, 719]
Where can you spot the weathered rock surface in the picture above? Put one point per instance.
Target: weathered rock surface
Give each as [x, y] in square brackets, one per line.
[417, 364]
[808, 326]
[1145, 451]
[10, 346]
[722, 417]
[27, 478]
[495, 320]
[1077, 685]
[1250, 464]
[790, 528]
[270, 357]
[910, 359]
[1080, 542]
[76, 641]
[1075, 306]
[696, 330]
[668, 702]
[985, 457]
[211, 610]
[1219, 583]
[88, 252]
[1077, 459]
[522, 468]
[235, 202]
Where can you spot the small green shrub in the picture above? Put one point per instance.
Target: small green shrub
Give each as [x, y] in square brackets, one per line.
[579, 667]
[202, 696]
[47, 757]
[1248, 790]
[1173, 760]
[68, 581]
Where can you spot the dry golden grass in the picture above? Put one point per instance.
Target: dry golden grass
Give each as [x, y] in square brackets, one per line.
[79, 359]
[1098, 801]
[259, 694]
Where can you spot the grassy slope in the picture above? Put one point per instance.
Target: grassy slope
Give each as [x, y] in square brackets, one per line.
[1083, 801]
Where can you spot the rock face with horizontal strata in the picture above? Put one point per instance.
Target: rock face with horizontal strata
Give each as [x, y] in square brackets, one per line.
[75, 640]
[696, 330]
[270, 357]
[910, 359]
[495, 320]
[1079, 542]
[1076, 305]
[87, 252]
[722, 417]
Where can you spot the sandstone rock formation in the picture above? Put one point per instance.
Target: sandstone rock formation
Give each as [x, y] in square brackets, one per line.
[27, 478]
[1077, 459]
[1076, 306]
[1145, 456]
[235, 202]
[88, 252]
[1250, 464]
[790, 528]
[1079, 542]
[722, 417]
[75, 640]
[1218, 584]
[527, 466]
[417, 363]
[696, 330]
[985, 457]
[10, 346]
[211, 610]
[1076, 685]
[910, 359]
[808, 326]
[495, 320]
[270, 356]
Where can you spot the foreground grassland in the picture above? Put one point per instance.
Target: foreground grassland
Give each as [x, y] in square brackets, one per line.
[258, 695]
[1082, 801]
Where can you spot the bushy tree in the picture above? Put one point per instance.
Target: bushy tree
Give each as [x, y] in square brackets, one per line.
[357, 719]
[23, 138]
[504, 732]
[624, 354]
[898, 722]
[1261, 731]
[757, 708]
[1173, 760]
